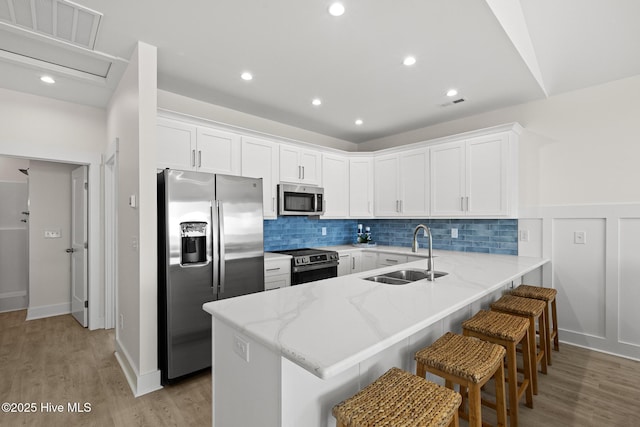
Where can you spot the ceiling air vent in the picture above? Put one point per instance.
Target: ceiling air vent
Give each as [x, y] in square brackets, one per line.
[60, 19]
[454, 102]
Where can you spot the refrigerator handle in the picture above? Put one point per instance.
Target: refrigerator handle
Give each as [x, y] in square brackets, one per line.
[222, 250]
[215, 230]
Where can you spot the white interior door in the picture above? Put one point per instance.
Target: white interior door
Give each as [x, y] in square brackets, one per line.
[78, 249]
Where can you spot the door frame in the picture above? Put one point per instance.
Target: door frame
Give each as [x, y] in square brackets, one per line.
[110, 164]
[93, 161]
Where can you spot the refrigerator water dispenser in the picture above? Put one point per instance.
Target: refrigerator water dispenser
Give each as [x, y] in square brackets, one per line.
[194, 242]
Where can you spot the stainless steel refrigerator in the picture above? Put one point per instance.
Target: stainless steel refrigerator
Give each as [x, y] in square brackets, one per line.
[210, 247]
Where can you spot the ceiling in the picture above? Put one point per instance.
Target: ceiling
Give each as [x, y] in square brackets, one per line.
[496, 53]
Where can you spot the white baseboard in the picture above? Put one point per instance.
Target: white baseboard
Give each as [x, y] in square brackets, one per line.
[140, 384]
[48, 310]
[13, 301]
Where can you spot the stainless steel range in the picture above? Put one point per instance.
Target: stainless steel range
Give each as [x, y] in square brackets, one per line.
[309, 264]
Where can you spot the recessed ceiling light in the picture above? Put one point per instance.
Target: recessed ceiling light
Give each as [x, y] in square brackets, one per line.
[246, 76]
[336, 9]
[452, 92]
[409, 60]
[316, 101]
[47, 79]
[359, 122]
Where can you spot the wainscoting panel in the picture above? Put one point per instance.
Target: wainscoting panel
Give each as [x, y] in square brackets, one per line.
[595, 266]
[629, 289]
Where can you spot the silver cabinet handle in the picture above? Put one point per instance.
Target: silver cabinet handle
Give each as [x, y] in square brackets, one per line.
[391, 260]
[273, 204]
[299, 172]
[353, 263]
[462, 203]
[193, 158]
[199, 158]
[401, 207]
[273, 269]
[302, 172]
[467, 203]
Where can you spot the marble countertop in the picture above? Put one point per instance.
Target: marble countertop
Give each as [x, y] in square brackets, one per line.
[330, 325]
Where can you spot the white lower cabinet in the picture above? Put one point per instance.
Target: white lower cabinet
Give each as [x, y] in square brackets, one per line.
[277, 273]
[386, 259]
[368, 260]
[350, 262]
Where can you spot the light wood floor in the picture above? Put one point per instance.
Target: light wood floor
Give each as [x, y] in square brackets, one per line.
[55, 360]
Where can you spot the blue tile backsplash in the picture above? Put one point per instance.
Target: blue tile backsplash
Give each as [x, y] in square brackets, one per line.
[494, 236]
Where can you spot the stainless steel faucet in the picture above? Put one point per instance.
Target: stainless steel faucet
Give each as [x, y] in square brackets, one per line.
[414, 248]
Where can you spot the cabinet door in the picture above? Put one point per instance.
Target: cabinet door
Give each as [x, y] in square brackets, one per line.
[387, 202]
[414, 183]
[448, 179]
[335, 179]
[260, 160]
[369, 260]
[487, 167]
[344, 266]
[218, 151]
[361, 187]
[311, 163]
[290, 169]
[176, 145]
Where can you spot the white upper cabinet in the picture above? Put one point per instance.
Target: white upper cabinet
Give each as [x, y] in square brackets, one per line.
[335, 173]
[218, 151]
[260, 159]
[176, 145]
[361, 187]
[190, 147]
[475, 177]
[300, 165]
[402, 184]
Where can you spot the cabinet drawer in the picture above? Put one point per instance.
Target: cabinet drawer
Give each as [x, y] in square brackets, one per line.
[277, 267]
[275, 282]
[385, 259]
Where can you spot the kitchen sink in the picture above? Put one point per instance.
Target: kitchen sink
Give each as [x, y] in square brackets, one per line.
[402, 277]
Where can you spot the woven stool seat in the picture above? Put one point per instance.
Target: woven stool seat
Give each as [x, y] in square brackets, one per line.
[519, 305]
[471, 363]
[399, 398]
[499, 325]
[507, 330]
[535, 311]
[535, 292]
[463, 357]
[548, 295]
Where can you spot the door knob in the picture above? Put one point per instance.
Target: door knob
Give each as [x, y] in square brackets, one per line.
[70, 250]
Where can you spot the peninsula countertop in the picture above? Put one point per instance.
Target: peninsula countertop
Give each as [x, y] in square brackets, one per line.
[330, 325]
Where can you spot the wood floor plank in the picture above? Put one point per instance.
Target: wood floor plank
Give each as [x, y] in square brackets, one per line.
[56, 360]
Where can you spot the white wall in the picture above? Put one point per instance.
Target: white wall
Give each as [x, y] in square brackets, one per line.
[35, 127]
[49, 264]
[132, 120]
[184, 105]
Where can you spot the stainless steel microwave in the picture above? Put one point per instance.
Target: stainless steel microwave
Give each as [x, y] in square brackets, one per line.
[300, 200]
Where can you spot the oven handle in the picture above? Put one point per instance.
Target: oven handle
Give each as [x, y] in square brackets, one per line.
[318, 266]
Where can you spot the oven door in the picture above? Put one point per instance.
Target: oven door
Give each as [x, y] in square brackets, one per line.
[311, 273]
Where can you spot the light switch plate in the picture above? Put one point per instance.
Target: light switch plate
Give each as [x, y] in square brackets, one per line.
[580, 237]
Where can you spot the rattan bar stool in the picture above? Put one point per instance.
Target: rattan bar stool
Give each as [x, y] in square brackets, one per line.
[470, 363]
[399, 398]
[549, 296]
[508, 331]
[533, 310]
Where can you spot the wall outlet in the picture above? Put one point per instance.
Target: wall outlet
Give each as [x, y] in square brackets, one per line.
[523, 235]
[52, 233]
[454, 233]
[580, 237]
[324, 231]
[241, 347]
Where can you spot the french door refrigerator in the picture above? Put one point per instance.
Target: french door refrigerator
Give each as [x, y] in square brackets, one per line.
[210, 247]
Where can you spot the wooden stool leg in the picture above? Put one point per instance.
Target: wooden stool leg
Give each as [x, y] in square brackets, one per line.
[512, 378]
[526, 365]
[501, 405]
[475, 413]
[421, 370]
[547, 334]
[533, 355]
[542, 320]
[455, 422]
[556, 340]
